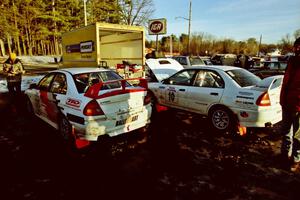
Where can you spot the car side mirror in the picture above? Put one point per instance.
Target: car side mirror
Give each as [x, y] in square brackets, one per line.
[33, 86]
[166, 81]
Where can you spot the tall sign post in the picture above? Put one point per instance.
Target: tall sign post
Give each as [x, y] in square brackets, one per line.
[157, 27]
[84, 6]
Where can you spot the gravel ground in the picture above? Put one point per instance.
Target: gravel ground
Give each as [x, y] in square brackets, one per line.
[182, 160]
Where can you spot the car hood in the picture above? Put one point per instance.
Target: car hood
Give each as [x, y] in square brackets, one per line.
[163, 71]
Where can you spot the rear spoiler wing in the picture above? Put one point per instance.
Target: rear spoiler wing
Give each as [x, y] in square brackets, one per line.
[93, 91]
[271, 82]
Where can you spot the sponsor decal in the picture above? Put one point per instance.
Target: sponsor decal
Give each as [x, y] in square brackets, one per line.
[246, 93]
[82, 47]
[242, 97]
[73, 102]
[244, 102]
[73, 48]
[86, 47]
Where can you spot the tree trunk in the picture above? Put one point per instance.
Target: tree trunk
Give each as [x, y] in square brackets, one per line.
[16, 38]
[17, 44]
[24, 46]
[2, 48]
[51, 48]
[28, 41]
[8, 43]
[48, 49]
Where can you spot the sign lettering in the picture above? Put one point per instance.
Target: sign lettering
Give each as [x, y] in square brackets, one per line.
[157, 26]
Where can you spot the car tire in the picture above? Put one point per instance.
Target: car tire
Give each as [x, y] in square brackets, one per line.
[222, 119]
[153, 104]
[143, 134]
[29, 108]
[65, 131]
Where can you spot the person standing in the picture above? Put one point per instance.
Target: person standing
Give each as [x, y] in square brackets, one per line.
[13, 70]
[237, 62]
[290, 102]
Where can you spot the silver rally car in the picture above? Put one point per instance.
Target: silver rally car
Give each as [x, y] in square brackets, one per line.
[85, 103]
[229, 96]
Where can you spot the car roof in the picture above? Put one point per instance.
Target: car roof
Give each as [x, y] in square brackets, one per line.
[80, 70]
[216, 67]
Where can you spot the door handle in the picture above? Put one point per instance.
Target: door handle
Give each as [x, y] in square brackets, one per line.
[214, 93]
[182, 90]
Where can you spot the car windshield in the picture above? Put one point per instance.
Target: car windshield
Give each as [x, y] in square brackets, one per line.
[84, 80]
[196, 61]
[243, 77]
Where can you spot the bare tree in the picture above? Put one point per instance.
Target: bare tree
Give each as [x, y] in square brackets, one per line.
[297, 33]
[136, 12]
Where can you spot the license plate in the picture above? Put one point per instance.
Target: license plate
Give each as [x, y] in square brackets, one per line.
[128, 120]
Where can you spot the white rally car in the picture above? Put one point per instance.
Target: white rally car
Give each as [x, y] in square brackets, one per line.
[229, 96]
[86, 103]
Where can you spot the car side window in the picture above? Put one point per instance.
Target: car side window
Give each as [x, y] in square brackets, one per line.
[208, 79]
[59, 84]
[150, 75]
[44, 84]
[183, 61]
[182, 78]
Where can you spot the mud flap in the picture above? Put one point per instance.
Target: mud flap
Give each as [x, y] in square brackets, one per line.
[242, 130]
[160, 108]
[80, 143]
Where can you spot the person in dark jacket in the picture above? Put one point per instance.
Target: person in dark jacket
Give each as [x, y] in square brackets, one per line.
[237, 62]
[13, 70]
[290, 102]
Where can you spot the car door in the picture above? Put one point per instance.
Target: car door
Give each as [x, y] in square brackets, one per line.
[50, 87]
[208, 88]
[175, 89]
[56, 96]
[41, 95]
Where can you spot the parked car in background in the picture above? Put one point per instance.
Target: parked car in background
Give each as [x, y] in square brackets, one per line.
[189, 61]
[223, 59]
[206, 60]
[229, 96]
[88, 103]
[270, 68]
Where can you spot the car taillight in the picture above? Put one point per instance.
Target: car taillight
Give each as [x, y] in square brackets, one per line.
[263, 100]
[93, 109]
[147, 99]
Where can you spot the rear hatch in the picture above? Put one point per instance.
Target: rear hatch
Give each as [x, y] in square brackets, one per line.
[270, 86]
[119, 100]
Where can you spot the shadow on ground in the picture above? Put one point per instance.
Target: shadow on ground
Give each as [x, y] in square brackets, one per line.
[183, 159]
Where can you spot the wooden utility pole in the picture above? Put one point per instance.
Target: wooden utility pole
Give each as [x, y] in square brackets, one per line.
[84, 8]
[56, 51]
[189, 32]
[259, 45]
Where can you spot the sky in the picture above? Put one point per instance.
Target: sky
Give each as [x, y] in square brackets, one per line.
[231, 19]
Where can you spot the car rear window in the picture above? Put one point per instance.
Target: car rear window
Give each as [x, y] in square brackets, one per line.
[84, 80]
[196, 61]
[163, 62]
[243, 77]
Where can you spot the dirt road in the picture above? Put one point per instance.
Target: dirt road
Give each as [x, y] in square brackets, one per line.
[182, 160]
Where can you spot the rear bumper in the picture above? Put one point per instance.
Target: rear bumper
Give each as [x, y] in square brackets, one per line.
[264, 117]
[92, 129]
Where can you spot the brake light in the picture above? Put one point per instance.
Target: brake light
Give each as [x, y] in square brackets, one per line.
[263, 100]
[93, 109]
